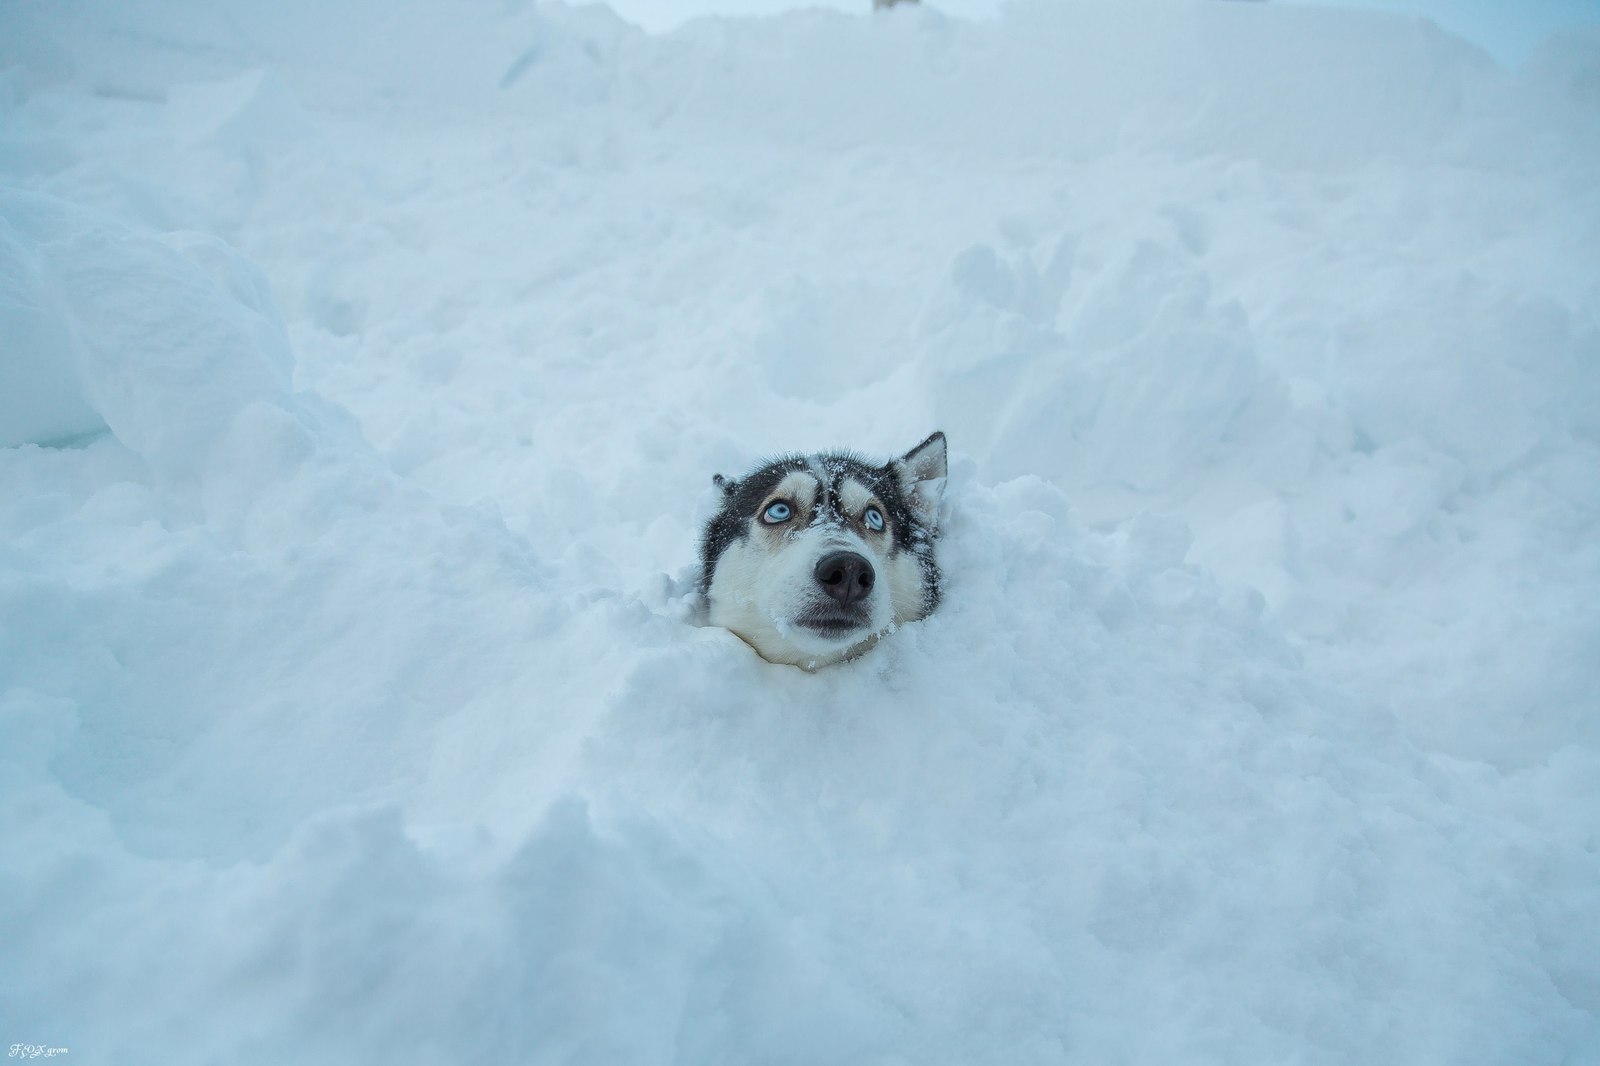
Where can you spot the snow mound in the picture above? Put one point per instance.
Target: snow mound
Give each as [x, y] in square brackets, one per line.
[164, 340]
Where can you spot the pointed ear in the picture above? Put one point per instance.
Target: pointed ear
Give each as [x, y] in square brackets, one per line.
[922, 472]
[724, 484]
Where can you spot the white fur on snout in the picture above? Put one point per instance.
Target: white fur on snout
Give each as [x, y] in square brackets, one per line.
[760, 590]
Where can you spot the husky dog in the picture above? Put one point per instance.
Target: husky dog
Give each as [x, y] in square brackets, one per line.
[812, 557]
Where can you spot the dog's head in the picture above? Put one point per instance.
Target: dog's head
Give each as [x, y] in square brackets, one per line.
[812, 557]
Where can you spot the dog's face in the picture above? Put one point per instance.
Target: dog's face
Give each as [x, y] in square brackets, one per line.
[812, 557]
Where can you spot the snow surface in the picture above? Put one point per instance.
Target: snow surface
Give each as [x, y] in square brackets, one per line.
[364, 369]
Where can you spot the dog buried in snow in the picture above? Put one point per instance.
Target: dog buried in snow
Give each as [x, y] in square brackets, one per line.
[812, 557]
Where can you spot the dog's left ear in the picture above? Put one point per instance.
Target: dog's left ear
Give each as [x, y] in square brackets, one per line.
[724, 484]
[922, 472]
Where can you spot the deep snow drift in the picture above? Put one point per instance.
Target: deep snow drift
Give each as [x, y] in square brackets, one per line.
[364, 370]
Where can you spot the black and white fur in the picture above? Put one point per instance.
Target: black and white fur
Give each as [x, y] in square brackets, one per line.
[812, 557]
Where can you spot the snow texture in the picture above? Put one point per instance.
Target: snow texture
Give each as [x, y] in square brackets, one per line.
[363, 368]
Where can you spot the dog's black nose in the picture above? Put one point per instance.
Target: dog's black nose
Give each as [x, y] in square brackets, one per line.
[845, 576]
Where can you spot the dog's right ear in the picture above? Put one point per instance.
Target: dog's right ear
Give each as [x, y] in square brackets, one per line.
[724, 484]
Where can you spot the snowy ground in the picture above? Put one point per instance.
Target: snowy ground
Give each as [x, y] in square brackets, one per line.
[364, 370]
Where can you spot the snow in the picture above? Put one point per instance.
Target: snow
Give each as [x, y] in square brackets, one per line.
[365, 367]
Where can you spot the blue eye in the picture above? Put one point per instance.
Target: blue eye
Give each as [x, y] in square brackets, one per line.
[777, 512]
[874, 519]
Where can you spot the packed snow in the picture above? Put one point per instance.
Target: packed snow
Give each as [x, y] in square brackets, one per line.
[365, 367]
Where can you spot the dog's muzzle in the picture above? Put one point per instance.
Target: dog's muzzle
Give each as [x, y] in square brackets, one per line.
[845, 579]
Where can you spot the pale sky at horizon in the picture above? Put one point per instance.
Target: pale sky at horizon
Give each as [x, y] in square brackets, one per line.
[1507, 29]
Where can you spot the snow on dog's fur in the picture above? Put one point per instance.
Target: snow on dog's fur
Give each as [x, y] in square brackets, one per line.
[812, 557]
